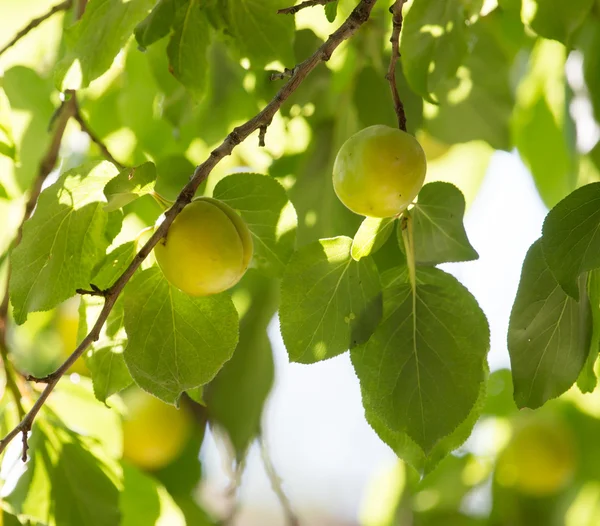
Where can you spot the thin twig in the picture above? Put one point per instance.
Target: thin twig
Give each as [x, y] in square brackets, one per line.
[276, 484]
[95, 291]
[307, 3]
[356, 19]
[396, 10]
[36, 22]
[93, 137]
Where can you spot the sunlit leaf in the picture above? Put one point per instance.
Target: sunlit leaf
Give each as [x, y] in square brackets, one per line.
[7, 141]
[421, 371]
[438, 230]
[265, 207]
[130, 184]
[95, 40]
[587, 379]
[329, 302]
[63, 241]
[175, 341]
[371, 236]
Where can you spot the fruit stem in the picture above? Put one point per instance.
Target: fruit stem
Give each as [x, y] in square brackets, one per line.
[406, 226]
[163, 202]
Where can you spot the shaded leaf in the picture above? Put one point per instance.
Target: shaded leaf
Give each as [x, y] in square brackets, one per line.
[331, 10]
[555, 19]
[188, 47]
[421, 371]
[542, 126]
[329, 302]
[265, 207]
[63, 241]
[411, 453]
[433, 44]
[66, 481]
[175, 342]
[439, 233]
[371, 235]
[236, 397]
[587, 379]
[158, 23]
[260, 33]
[571, 237]
[96, 39]
[548, 334]
[145, 501]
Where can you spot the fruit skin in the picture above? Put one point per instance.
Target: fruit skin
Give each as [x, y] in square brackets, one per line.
[207, 249]
[154, 433]
[539, 460]
[379, 171]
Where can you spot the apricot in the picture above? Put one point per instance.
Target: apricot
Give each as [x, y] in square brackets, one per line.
[154, 433]
[207, 248]
[539, 460]
[379, 171]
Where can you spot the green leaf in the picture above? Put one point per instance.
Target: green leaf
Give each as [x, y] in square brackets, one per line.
[329, 302]
[480, 95]
[331, 11]
[439, 233]
[587, 379]
[3, 193]
[145, 501]
[236, 397]
[130, 184]
[265, 207]
[555, 19]
[188, 47]
[7, 141]
[571, 237]
[158, 23]
[548, 334]
[63, 241]
[67, 481]
[411, 453]
[421, 371]
[542, 126]
[589, 45]
[433, 44]
[371, 235]
[175, 342]
[73, 401]
[260, 33]
[30, 101]
[105, 357]
[95, 40]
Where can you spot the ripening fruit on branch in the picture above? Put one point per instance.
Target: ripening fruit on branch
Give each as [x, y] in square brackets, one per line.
[207, 249]
[154, 433]
[539, 460]
[379, 171]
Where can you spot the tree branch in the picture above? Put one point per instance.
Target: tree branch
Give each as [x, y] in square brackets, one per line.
[276, 484]
[93, 137]
[64, 112]
[356, 19]
[396, 10]
[36, 22]
[307, 3]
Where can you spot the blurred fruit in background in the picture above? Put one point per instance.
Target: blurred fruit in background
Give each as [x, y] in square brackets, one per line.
[540, 459]
[154, 433]
[67, 324]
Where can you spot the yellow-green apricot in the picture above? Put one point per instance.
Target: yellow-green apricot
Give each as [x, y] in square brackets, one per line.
[379, 171]
[207, 249]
